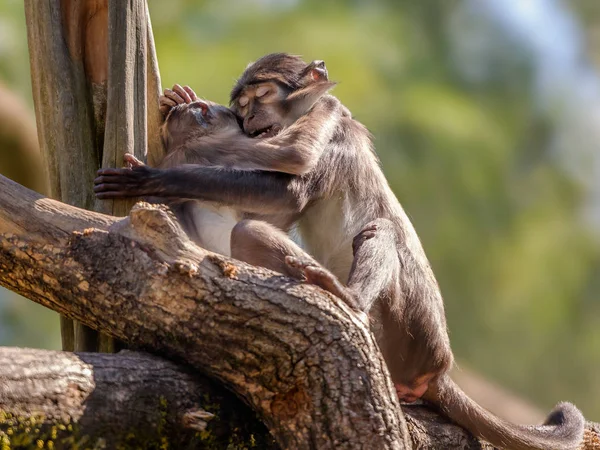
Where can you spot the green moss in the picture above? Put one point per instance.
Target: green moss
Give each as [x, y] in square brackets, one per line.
[28, 432]
[36, 432]
[4, 441]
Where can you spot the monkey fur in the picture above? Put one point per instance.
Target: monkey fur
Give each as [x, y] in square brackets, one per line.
[357, 241]
[191, 132]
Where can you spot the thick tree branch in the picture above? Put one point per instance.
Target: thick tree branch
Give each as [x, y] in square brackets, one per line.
[143, 401]
[129, 400]
[295, 354]
[140, 400]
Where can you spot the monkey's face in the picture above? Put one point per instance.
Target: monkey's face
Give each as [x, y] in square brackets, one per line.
[195, 120]
[275, 91]
[260, 106]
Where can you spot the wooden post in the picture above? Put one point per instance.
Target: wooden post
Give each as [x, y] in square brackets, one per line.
[95, 87]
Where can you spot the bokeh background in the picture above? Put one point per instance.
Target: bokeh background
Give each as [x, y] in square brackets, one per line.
[486, 115]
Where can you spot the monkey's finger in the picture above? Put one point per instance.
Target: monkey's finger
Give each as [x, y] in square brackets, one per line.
[109, 185]
[126, 189]
[107, 179]
[174, 96]
[113, 172]
[298, 263]
[163, 100]
[116, 179]
[191, 93]
[323, 279]
[329, 282]
[115, 193]
[182, 93]
[129, 158]
[164, 110]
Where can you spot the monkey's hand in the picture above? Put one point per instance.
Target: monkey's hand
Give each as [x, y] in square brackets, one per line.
[174, 97]
[120, 183]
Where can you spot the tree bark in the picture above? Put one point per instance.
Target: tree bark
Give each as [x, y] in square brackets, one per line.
[95, 86]
[130, 400]
[297, 355]
[141, 401]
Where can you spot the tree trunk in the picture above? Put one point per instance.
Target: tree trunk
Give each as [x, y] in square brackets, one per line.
[95, 88]
[130, 400]
[141, 401]
[297, 355]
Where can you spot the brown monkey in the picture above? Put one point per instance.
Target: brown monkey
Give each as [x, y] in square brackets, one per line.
[193, 132]
[351, 223]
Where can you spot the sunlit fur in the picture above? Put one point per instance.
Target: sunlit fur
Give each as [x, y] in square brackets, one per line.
[207, 224]
[321, 177]
[389, 275]
[211, 136]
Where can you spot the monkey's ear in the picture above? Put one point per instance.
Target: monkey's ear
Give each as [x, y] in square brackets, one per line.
[317, 71]
[201, 105]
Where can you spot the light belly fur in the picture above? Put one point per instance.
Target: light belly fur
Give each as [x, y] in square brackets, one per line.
[326, 232]
[213, 226]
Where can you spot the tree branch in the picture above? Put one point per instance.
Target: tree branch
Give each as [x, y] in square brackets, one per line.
[130, 400]
[140, 400]
[143, 401]
[297, 355]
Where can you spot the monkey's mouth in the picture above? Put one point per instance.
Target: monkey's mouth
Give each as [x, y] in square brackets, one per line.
[266, 132]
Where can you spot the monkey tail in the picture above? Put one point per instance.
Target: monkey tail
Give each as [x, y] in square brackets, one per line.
[562, 430]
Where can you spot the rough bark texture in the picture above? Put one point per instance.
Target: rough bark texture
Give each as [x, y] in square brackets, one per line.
[131, 400]
[145, 402]
[95, 88]
[135, 400]
[296, 355]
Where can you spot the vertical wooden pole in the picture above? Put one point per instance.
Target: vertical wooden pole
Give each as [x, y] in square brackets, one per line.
[95, 86]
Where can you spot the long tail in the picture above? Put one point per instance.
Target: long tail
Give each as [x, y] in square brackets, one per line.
[562, 430]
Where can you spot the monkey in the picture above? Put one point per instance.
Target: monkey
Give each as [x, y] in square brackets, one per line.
[357, 241]
[190, 132]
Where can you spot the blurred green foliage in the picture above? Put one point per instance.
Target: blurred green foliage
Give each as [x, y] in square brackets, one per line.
[471, 162]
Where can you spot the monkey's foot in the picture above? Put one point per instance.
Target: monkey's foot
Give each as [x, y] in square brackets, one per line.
[317, 275]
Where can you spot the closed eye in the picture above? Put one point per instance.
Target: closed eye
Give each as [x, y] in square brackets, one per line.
[262, 91]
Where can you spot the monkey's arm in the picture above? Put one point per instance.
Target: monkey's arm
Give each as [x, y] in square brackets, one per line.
[254, 192]
[295, 150]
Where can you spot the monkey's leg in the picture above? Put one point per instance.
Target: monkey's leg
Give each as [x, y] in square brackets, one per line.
[376, 266]
[374, 272]
[261, 244]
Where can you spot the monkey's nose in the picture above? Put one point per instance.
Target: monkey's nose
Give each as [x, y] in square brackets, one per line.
[248, 119]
